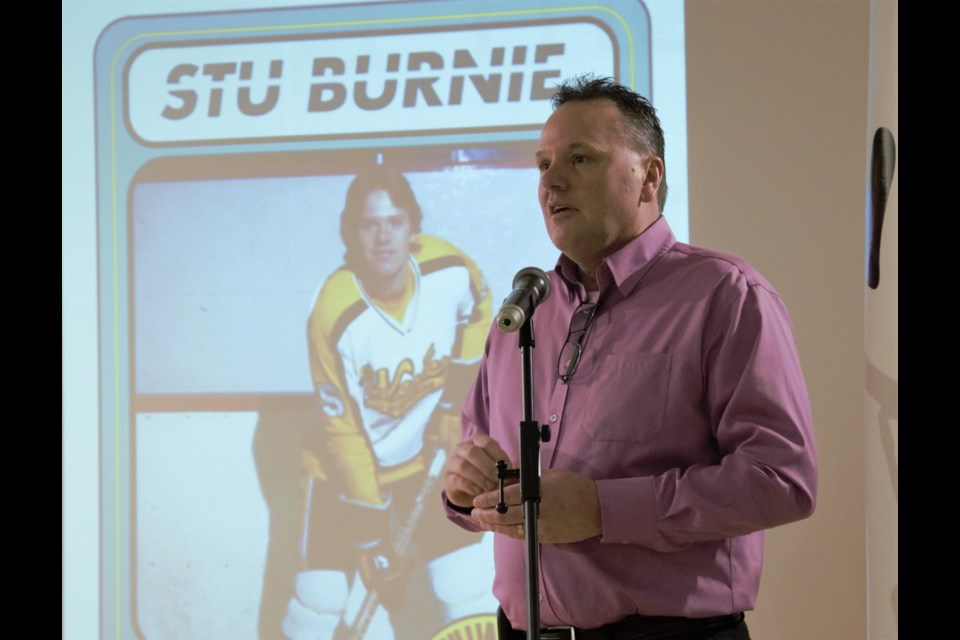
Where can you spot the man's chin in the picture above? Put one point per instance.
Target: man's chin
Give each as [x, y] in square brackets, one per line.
[561, 237]
[383, 271]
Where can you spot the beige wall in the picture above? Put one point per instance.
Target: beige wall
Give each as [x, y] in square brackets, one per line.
[777, 107]
[882, 325]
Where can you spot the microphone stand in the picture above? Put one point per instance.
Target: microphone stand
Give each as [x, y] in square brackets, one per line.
[531, 434]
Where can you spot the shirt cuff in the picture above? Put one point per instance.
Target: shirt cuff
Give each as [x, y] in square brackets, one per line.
[460, 516]
[464, 510]
[628, 511]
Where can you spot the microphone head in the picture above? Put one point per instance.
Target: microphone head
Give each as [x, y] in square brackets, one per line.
[541, 281]
[531, 286]
[510, 318]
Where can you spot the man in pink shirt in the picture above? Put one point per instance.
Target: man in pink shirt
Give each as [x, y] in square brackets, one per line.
[669, 378]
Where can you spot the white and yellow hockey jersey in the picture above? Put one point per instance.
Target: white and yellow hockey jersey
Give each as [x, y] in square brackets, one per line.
[380, 378]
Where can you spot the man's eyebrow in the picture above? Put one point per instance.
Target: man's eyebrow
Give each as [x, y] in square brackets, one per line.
[576, 146]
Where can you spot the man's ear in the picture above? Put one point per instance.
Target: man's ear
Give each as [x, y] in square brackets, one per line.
[652, 179]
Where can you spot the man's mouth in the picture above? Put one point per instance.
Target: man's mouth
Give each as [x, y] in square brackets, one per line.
[558, 208]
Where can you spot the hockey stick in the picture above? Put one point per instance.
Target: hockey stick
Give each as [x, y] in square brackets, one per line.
[401, 542]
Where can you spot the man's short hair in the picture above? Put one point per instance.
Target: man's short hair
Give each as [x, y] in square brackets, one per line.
[368, 181]
[643, 129]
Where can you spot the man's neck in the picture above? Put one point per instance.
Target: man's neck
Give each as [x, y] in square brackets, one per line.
[391, 289]
[588, 266]
[589, 279]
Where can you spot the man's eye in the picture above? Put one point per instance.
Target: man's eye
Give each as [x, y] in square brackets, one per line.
[543, 166]
[579, 159]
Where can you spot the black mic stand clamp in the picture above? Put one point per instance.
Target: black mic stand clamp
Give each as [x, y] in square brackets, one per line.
[531, 434]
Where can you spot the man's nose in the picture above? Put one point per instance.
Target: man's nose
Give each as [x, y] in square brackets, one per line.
[552, 178]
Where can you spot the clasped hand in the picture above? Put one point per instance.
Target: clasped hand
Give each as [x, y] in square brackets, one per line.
[569, 505]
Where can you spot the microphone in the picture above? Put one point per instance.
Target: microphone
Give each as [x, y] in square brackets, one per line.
[531, 286]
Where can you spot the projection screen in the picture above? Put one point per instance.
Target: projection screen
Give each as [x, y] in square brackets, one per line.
[226, 141]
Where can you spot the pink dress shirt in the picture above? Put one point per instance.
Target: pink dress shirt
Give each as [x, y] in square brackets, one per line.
[690, 412]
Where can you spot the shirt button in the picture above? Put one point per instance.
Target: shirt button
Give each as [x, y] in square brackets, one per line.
[540, 597]
[553, 417]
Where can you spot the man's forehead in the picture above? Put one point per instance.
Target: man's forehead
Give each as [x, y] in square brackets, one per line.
[382, 212]
[377, 200]
[582, 121]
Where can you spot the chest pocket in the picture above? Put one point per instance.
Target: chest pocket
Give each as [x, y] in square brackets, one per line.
[627, 397]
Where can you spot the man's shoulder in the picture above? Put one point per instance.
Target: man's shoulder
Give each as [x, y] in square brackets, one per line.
[335, 299]
[434, 253]
[728, 269]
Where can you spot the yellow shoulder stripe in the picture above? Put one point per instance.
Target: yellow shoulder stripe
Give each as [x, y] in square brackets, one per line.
[338, 294]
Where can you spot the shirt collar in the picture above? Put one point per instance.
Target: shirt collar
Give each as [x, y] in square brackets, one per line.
[625, 267]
